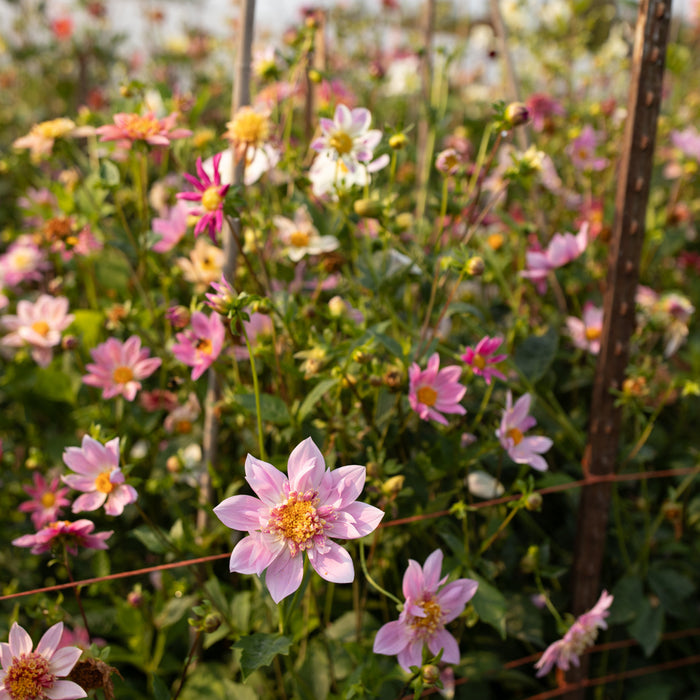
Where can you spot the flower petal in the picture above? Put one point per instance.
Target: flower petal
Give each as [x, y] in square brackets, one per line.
[284, 575]
[268, 482]
[335, 565]
[306, 466]
[20, 641]
[442, 639]
[391, 638]
[63, 660]
[241, 512]
[253, 554]
[49, 641]
[64, 690]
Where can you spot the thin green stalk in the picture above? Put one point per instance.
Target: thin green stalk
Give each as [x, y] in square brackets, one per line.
[256, 390]
[193, 648]
[501, 527]
[371, 581]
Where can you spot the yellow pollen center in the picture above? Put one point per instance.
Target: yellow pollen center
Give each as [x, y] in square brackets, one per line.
[204, 346]
[28, 677]
[211, 199]
[592, 333]
[515, 435]
[54, 128]
[122, 375]
[299, 239]
[249, 126]
[207, 263]
[21, 260]
[495, 241]
[102, 482]
[297, 521]
[478, 361]
[141, 127]
[47, 499]
[341, 142]
[429, 624]
[41, 327]
[427, 395]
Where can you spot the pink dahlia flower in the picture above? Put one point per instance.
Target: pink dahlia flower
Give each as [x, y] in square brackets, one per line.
[514, 423]
[99, 477]
[34, 675]
[47, 500]
[23, 261]
[586, 331]
[128, 128]
[579, 637]
[482, 358]
[71, 534]
[582, 151]
[434, 391]
[39, 325]
[199, 346]
[171, 228]
[118, 367]
[429, 606]
[210, 194]
[295, 514]
[347, 136]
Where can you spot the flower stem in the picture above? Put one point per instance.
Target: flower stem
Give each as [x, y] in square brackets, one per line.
[371, 581]
[256, 390]
[77, 592]
[195, 643]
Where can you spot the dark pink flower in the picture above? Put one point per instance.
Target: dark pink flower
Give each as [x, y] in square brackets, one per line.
[542, 108]
[434, 391]
[210, 194]
[47, 500]
[118, 367]
[199, 346]
[430, 605]
[482, 357]
[71, 534]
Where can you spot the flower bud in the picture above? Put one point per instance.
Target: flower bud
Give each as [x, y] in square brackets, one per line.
[211, 622]
[370, 208]
[431, 674]
[516, 114]
[179, 316]
[475, 266]
[315, 76]
[533, 501]
[398, 141]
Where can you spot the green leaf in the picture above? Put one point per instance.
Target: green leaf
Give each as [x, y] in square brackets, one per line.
[648, 627]
[87, 325]
[113, 273]
[260, 649]
[628, 595]
[314, 676]
[56, 386]
[109, 173]
[273, 409]
[213, 682]
[490, 605]
[393, 346]
[160, 690]
[535, 354]
[672, 589]
[314, 396]
[149, 539]
[174, 610]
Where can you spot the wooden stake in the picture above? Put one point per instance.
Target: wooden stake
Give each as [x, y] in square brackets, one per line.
[631, 200]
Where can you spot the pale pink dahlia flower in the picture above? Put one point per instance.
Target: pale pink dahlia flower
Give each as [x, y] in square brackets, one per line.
[39, 325]
[429, 606]
[586, 331]
[118, 367]
[514, 423]
[482, 358]
[434, 391]
[577, 639]
[295, 514]
[199, 346]
[128, 128]
[99, 477]
[34, 675]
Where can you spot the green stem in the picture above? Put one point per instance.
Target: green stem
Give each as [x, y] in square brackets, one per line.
[371, 581]
[501, 527]
[256, 390]
[193, 648]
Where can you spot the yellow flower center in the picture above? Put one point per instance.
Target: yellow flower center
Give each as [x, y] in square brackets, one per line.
[429, 624]
[41, 327]
[204, 346]
[122, 375]
[28, 677]
[54, 128]
[478, 361]
[495, 241]
[211, 199]
[341, 142]
[427, 395]
[248, 127]
[138, 127]
[297, 521]
[515, 435]
[102, 482]
[593, 333]
[299, 239]
[21, 260]
[48, 499]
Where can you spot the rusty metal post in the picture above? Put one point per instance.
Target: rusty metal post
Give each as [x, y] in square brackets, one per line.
[631, 200]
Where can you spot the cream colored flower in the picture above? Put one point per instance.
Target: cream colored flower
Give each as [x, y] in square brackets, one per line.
[204, 264]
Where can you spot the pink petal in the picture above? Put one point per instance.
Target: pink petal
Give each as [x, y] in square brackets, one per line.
[412, 655]
[49, 641]
[64, 690]
[356, 520]
[80, 483]
[20, 641]
[306, 466]
[347, 484]
[454, 596]
[432, 570]
[89, 501]
[269, 483]
[284, 575]
[240, 512]
[445, 641]
[391, 638]
[335, 565]
[119, 498]
[413, 581]
[64, 659]
[253, 554]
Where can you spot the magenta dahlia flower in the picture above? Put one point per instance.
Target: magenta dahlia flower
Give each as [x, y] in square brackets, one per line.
[47, 500]
[34, 675]
[71, 534]
[434, 391]
[99, 477]
[578, 638]
[296, 513]
[482, 358]
[199, 346]
[118, 367]
[429, 606]
[210, 194]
